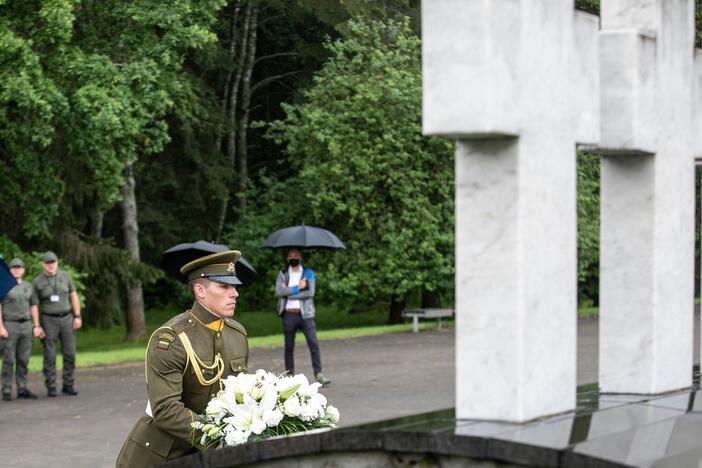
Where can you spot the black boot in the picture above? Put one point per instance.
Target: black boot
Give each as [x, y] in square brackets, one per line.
[6, 397]
[26, 394]
[51, 392]
[69, 391]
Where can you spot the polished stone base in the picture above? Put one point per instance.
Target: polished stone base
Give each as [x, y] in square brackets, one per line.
[606, 430]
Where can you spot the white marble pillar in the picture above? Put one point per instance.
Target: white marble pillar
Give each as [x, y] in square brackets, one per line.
[697, 141]
[647, 188]
[505, 80]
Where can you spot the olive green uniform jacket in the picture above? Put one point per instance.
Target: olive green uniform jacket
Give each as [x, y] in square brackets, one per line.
[177, 396]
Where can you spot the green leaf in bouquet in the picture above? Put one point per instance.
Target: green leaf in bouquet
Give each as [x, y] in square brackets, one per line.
[285, 394]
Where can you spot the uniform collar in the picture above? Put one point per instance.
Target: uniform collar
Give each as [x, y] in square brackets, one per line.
[202, 314]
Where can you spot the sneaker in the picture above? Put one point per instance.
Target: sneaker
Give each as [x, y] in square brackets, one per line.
[26, 394]
[6, 397]
[69, 391]
[321, 379]
[51, 392]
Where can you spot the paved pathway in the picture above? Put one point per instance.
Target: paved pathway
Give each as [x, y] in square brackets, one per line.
[374, 378]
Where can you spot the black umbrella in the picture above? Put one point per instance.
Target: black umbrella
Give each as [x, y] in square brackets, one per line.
[7, 281]
[303, 236]
[180, 254]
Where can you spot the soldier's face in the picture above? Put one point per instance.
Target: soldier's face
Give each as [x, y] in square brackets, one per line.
[17, 272]
[219, 298]
[50, 267]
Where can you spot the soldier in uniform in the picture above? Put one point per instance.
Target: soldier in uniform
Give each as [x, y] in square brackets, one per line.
[59, 305]
[16, 327]
[186, 360]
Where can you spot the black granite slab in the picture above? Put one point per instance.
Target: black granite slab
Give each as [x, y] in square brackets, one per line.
[605, 430]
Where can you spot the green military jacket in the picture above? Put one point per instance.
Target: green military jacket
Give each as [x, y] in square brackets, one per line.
[52, 293]
[16, 304]
[180, 384]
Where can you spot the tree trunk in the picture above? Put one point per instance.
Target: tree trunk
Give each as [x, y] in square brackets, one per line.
[96, 225]
[226, 89]
[397, 305]
[431, 300]
[243, 175]
[136, 327]
[231, 114]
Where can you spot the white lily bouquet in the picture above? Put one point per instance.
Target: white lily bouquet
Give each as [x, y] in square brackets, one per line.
[262, 405]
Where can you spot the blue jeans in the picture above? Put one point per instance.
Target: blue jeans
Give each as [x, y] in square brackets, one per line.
[291, 323]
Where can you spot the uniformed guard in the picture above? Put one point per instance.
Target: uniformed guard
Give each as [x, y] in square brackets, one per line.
[186, 360]
[16, 327]
[59, 306]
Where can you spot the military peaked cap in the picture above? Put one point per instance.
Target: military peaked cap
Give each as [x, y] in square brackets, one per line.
[219, 267]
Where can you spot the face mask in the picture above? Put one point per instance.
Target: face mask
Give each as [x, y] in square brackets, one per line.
[293, 262]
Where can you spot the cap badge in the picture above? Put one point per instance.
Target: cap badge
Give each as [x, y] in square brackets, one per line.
[230, 267]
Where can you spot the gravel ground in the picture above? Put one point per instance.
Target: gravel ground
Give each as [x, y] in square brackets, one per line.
[374, 378]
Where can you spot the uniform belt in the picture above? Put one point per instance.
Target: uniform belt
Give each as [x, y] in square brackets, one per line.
[293, 311]
[61, 315]
[18, 320]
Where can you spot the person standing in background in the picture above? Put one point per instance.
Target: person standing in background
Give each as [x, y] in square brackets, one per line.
[58, 302]
[16, 320]
[295, 288]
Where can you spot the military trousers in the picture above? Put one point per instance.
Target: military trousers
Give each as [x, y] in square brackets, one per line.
[293, 321]
[59, 328]
[17, 349]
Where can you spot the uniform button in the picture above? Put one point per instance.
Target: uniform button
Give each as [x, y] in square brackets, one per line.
[212, 396]
[239, 367]
[218, 334]
[147, 444]
[190, 321]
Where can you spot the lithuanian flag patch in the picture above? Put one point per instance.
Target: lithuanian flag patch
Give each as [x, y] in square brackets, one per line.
[163, 344]
[164, 340]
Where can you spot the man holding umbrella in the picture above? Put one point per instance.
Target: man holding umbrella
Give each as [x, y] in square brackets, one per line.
[295, 289]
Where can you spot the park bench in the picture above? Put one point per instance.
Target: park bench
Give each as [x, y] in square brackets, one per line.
[426, 313]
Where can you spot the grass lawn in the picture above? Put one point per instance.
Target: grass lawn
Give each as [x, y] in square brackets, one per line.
[107, 346]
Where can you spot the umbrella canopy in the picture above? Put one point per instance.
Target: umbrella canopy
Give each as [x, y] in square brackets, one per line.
[180, 254]
[7, 281]
[303, 237]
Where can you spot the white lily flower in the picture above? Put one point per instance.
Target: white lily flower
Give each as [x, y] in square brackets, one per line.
[247, 417]
[229, 382]
[269, 399]
[244, 384]
[291, 407]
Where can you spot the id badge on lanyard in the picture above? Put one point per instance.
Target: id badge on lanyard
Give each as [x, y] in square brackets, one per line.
[54, 298]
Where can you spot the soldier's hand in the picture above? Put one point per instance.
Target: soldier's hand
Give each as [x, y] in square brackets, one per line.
[39, 332]
[77, 323]
[3, 332]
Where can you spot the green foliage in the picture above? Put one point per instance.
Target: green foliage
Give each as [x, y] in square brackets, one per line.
[591, 6]
[366, 171]
[588, 227]
[33, 268]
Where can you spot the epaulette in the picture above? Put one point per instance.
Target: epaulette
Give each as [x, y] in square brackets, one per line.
[180, 323]
[235, 325]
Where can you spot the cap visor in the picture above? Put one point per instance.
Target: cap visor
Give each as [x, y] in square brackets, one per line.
[229, 279]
